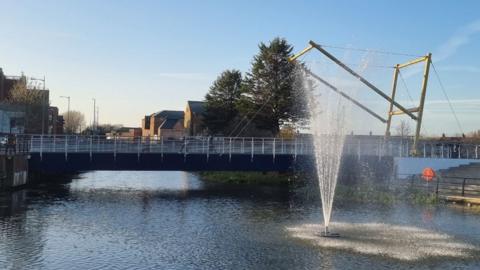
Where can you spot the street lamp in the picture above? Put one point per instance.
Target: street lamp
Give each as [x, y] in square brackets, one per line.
[68, 111]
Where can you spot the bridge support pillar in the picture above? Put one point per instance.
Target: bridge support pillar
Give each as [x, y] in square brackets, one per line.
[13, 170]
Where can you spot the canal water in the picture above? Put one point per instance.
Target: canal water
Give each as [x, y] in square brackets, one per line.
[174, 220]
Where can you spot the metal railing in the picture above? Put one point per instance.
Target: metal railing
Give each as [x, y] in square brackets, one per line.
[15, 146]
[401, 147]
[457, 185]
[354, 145]
[444, 186]
[188, 145]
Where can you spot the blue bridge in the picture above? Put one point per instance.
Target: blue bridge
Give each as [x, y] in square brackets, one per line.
[72, 153]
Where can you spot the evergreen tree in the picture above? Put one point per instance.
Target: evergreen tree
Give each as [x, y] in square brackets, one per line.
[221, 102]
[270, 96]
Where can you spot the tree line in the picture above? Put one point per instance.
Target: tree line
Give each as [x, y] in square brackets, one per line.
[262, 102]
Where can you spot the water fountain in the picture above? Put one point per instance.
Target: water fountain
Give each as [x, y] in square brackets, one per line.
[330, 117]
[328, 111]
[327, 124]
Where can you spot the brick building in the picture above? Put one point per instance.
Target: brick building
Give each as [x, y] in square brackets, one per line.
[55, 121]
[193, 120]
[125, 132]
[163, 123]
[171, 129]
[146, 126]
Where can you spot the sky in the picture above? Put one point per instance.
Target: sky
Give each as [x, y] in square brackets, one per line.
[139, 57]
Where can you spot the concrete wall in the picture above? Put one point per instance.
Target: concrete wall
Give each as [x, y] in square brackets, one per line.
[14, 170]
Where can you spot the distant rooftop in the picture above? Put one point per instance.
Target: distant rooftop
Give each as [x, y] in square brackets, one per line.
[168, 123]
[196, 106]
[169, 114]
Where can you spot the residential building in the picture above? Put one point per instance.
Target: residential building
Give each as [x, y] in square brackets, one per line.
[125, 132]
[55, 121]
[60, 125]
[151, 123]
[171, 128]
[159, 118]
[146, 126]
[193, 119]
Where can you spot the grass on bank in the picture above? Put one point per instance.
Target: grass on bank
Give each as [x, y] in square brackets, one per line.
[360, 192]
[262, 178]
[384, 195]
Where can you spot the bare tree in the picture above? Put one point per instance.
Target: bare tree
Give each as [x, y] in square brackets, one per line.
[403, 129]
[35, 103]
[74, 120]
[20, 94]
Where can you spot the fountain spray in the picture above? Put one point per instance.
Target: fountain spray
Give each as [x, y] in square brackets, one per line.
[327, 120]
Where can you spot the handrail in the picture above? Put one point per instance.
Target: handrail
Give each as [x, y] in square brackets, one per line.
[354, 145]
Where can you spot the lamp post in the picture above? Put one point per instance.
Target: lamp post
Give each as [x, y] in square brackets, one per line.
[68, 113]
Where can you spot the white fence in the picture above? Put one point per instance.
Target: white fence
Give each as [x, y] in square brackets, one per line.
[354, 145]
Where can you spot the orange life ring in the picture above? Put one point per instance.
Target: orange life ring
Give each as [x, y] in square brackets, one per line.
[428, 174]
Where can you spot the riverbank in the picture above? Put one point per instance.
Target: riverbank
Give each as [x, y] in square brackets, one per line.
[261, 178]
[359, 193]
[385, 195]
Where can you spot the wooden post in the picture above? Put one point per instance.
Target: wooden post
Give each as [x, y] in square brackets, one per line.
[422, 101]
[390, 109]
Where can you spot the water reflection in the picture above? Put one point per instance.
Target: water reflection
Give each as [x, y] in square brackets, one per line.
[173, 220]
[12, 203]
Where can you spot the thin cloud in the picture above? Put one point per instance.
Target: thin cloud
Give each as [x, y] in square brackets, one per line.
[454, 101]
[471, 69]
[462, 37]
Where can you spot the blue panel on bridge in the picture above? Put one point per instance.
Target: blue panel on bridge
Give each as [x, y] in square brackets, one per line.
[74, 162]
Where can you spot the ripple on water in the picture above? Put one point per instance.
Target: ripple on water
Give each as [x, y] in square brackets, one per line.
[394, 241]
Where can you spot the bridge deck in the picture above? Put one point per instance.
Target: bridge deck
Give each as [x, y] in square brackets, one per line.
[72, 152]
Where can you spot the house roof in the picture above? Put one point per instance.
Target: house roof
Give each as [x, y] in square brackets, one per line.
[169, 114]
[196, 106]
[168, 123]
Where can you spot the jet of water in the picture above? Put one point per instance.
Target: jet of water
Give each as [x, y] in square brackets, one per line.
[327, 125]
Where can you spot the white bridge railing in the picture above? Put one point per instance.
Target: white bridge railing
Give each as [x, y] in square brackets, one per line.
[354, 145]
[189, 145]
